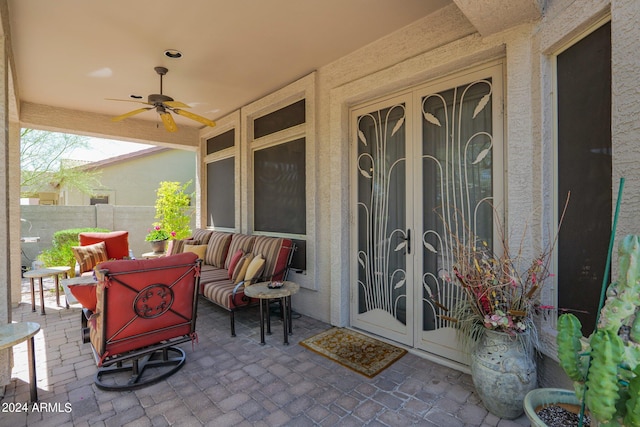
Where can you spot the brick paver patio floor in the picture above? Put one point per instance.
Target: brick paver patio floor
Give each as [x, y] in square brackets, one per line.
[233, 382]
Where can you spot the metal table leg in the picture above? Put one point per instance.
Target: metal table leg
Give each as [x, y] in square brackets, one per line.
[41, 297]
[285, 320]
[261, 322]
[32, 369]
[33, 294]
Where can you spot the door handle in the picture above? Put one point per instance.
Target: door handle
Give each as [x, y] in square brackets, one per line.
[408, 239]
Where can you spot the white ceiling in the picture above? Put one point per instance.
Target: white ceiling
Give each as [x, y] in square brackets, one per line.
[75, 53]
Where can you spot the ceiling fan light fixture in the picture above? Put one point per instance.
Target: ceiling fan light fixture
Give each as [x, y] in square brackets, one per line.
[173, 53]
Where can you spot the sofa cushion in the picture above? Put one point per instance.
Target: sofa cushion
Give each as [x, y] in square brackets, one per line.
[234, 259]
[217, 249]
[177, 246]
[238, 242]
[255, 268]
[196, 249]
[276, 254]
[117, 242]
[90, 255]
[210, 274]
[85, 293]
[202, 235]
[221, 293]
[241, 268]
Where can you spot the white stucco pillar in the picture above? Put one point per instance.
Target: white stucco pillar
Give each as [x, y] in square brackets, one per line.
[625, 110]
[5, 235]
[15, 227]
[523, 153]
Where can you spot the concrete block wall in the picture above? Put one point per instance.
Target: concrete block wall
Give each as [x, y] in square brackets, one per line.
[44, 221]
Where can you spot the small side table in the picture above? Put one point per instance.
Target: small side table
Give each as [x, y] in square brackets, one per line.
[262, 292]
[14, 333]
[40, 274]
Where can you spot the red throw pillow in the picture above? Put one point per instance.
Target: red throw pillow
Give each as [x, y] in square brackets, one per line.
[234, 261]
[85, 294]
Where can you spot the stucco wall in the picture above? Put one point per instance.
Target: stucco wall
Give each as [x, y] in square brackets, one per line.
[134, 182]
[416, 55]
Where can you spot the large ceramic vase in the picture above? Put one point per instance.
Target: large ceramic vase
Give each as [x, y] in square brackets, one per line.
[503, 369]
[158, 246]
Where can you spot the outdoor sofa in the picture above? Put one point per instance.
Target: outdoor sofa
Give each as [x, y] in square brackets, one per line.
[232, 261]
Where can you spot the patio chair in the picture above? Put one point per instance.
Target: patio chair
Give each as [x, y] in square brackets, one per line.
[96, 247]
[144, 309]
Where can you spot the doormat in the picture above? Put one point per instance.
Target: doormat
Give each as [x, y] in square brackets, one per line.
[353, 350]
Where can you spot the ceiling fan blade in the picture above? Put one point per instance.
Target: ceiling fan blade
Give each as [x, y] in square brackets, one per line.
[128, 100]
[176, 104]
[195, 117]
[130, 113]
[169, 123]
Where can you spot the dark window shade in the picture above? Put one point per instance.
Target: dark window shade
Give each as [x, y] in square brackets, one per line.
[220, 193]
[299, 260]
[99, 200]
[584, 168]
[281, 119]
[279, 188]
[222, 141]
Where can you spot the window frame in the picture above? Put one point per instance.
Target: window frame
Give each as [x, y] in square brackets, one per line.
[230, 122]
[304, 88]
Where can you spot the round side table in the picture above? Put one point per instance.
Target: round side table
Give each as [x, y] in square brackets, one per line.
[263, 293]
[14, 333]
[40, 274]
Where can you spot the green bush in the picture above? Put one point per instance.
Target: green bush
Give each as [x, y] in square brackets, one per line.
[60, 252]
[172, 204]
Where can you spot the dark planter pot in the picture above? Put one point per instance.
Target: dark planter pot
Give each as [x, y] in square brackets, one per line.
[158, 246]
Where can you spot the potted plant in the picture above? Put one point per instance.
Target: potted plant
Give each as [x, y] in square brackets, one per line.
[494, 317]
[605, 367]
[158, 237]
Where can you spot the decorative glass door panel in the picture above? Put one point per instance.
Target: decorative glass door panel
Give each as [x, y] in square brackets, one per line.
[382, 305]
[421, 160]
[457, 189]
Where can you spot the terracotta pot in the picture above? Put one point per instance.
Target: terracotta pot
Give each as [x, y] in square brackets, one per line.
[503, 369]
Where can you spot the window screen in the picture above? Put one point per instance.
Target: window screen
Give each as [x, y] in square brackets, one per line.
[281, 119]
[220, 193]
[220, 142]
[279, 188]
[584, 168]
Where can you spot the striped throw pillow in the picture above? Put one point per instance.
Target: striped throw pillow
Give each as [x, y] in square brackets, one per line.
[89, 256]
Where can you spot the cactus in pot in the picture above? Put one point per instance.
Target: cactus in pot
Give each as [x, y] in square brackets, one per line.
[605, 367]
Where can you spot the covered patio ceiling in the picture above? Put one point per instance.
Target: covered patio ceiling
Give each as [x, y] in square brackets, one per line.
[68, 56]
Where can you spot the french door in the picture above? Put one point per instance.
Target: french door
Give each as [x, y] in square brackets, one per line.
[422, 159]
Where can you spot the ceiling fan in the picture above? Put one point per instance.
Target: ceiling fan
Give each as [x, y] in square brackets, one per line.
[163, 104]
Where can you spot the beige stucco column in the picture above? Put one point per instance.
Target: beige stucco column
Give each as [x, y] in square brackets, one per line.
[5, 235]
[15, 227]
